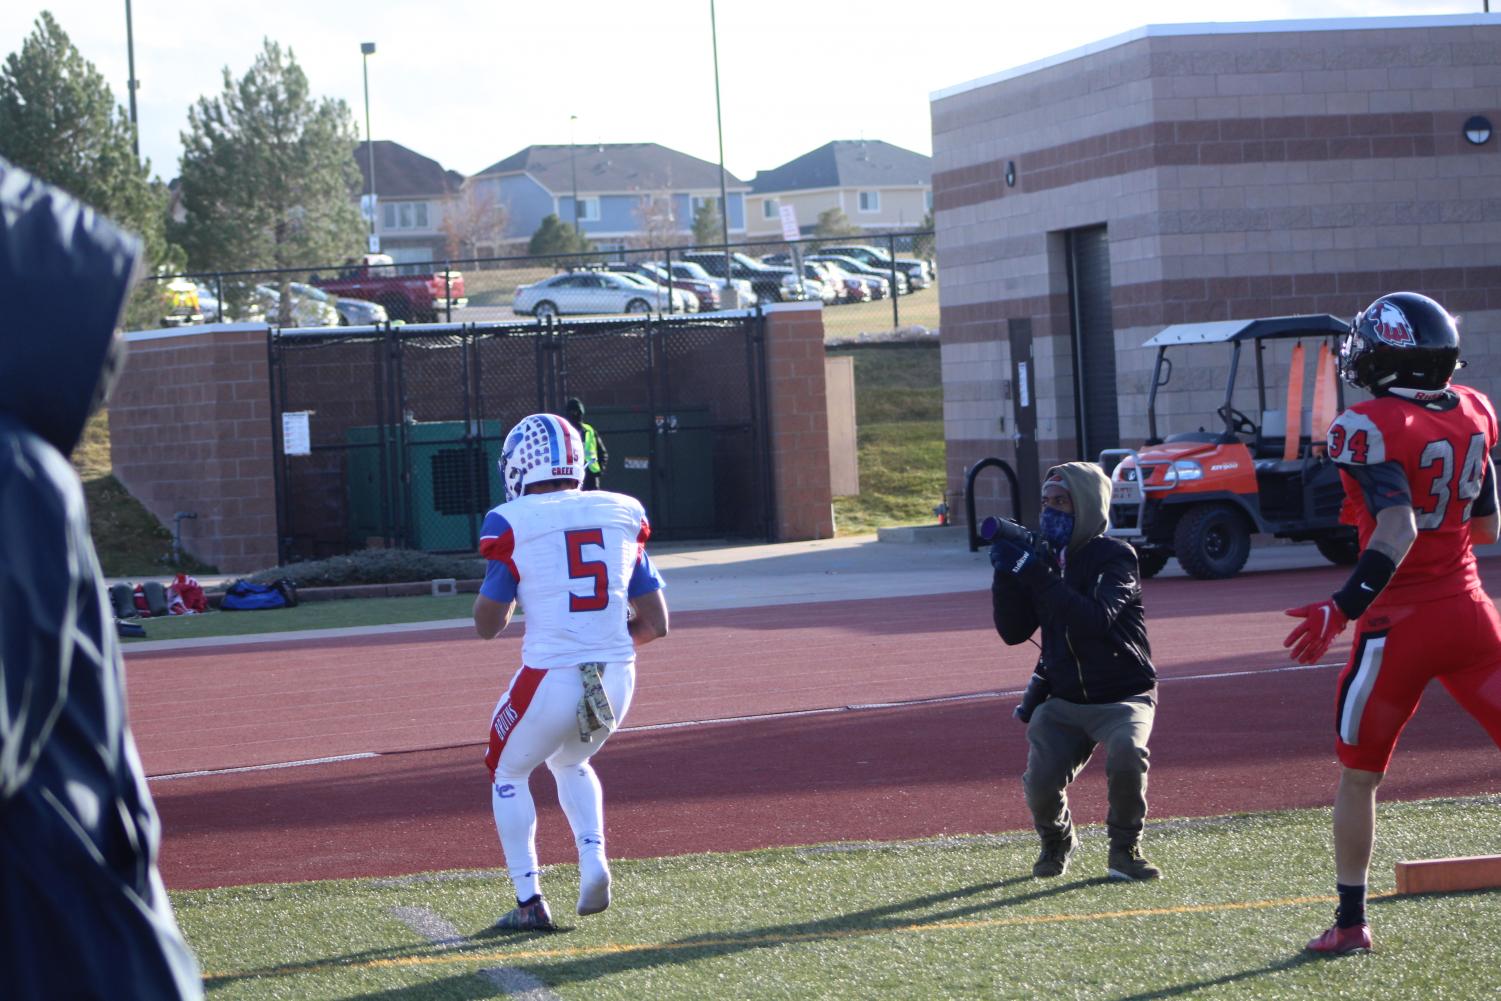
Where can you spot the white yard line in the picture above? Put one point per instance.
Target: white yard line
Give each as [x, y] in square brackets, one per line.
[438, 930]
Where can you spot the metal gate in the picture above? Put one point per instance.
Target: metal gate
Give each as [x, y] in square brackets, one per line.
[389, 436]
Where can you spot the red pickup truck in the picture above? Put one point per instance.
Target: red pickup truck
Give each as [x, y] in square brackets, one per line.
[416, 298]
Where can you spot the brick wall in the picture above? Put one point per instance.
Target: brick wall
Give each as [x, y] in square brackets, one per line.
[190, 430]
[799, 422]
[190, 427]
[1241, 171]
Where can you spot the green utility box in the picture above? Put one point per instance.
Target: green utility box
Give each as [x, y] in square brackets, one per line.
[666, 461]
[452, 481]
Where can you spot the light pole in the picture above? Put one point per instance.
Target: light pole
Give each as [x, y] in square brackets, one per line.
[130, 57]
[573, 169]
[724, 201]
[367, 49]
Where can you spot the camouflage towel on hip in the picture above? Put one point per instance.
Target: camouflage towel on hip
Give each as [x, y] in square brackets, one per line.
[595, 712]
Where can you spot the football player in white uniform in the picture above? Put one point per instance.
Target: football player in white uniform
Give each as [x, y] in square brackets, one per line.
[577, 563]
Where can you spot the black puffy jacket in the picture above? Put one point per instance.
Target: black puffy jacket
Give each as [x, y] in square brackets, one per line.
[1094, 633]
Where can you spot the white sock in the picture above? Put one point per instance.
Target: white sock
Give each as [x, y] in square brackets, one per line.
[516, 823]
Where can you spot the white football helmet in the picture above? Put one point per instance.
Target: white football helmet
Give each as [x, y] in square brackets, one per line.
[541, 447]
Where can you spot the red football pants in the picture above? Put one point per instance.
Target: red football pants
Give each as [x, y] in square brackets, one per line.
[1398, 650]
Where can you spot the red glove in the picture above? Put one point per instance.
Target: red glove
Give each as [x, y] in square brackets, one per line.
[1310, 638]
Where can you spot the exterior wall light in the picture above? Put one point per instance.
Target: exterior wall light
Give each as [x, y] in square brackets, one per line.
[1477, 129]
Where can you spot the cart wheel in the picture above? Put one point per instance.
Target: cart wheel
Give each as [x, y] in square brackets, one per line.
[1212, 542]
[1342, 548]
[1152, 561]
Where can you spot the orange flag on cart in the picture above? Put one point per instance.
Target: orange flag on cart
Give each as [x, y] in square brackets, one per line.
[1294, 404]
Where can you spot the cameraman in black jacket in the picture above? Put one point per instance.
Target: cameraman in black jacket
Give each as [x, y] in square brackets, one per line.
[1094, 683]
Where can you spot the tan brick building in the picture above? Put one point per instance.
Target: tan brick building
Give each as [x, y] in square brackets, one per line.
[1189, 173]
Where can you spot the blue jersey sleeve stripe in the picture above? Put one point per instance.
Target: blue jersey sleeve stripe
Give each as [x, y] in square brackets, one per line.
[499, 584]
[644, 578]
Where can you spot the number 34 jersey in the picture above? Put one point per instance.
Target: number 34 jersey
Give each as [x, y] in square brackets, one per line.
[1442, 448]
[572, 559]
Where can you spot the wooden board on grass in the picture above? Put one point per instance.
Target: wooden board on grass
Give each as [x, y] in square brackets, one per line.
[1449, 875]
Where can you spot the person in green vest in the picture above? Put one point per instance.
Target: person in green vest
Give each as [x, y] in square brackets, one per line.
[595, 454]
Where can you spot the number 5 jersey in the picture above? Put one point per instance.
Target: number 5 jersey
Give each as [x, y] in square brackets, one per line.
[572, 560]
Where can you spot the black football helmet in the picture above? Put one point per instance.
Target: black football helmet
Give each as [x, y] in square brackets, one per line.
[1401, 340]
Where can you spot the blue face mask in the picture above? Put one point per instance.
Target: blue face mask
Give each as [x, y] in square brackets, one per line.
[1057, 527]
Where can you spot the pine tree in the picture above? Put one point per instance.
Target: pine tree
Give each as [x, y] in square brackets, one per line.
[556, 240]
[268, 179]
[59, 121]
[707, 229]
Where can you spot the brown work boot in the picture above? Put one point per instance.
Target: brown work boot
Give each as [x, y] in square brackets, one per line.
[1127, 862]
[1055, 855]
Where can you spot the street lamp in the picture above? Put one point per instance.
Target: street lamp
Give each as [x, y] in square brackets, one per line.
[367, 49]
[131, 84]
[724, 202]
[573, 169]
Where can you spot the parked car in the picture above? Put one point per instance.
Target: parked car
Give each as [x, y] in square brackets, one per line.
[689, 301]
[853, 288]
[700, 295]
[359, 312]
[734, 293]
[208, 303]
[857, 267]
[311, 307]
[419, 298]
[183, 304]
[916, 271]
[595, 292]
[770, 284]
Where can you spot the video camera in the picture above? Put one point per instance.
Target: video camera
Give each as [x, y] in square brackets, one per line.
[993, 528]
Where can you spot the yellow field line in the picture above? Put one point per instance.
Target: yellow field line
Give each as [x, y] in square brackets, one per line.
[580, 952]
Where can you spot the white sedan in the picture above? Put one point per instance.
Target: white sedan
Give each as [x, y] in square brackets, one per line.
[595, 292]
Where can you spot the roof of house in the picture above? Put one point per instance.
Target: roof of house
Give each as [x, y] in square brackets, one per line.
[847, 163]
[613, 167]
[405, 173]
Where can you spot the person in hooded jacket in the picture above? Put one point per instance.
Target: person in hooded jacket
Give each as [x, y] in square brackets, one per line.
[1094, 682]
[82, 905]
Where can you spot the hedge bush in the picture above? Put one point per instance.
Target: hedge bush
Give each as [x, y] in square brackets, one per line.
[376, 566]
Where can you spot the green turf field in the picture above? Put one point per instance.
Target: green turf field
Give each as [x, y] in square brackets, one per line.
[951, 918]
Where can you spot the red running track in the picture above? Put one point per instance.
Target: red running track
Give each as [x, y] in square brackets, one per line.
[1225, 741]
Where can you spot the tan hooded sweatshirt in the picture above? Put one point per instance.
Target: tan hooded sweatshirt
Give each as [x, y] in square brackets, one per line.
[1089, 488]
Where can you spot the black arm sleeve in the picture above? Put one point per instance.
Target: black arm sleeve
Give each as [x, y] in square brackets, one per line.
[1013, 608]
[1383, 484]
[1094, 611]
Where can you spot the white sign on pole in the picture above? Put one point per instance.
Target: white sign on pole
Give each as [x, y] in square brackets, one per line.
[368, 205]
[374, 243]
[790, 231]
[296, 438]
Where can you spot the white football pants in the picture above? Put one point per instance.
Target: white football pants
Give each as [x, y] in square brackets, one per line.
[536, 720]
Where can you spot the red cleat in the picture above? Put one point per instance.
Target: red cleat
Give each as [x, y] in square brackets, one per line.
[1339, 941]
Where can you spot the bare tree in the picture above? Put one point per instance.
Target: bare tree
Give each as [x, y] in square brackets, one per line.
[657, 222]
[472, 217]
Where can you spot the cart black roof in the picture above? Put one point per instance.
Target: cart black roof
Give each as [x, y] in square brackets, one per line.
[1266, 328]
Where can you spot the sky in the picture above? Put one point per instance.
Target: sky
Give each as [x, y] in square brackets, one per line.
[469, 82]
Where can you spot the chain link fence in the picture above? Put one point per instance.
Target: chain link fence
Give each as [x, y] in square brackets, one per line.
[872, 287]
[389, 437]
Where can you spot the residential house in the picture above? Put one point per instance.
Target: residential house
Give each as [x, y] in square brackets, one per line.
[626, 194]
[414, 197]
[879, 187]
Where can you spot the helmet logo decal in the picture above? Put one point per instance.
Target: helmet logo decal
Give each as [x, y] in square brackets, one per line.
[1391, 325]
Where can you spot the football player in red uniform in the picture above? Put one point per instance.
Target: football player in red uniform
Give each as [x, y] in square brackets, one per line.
[1420, 489]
